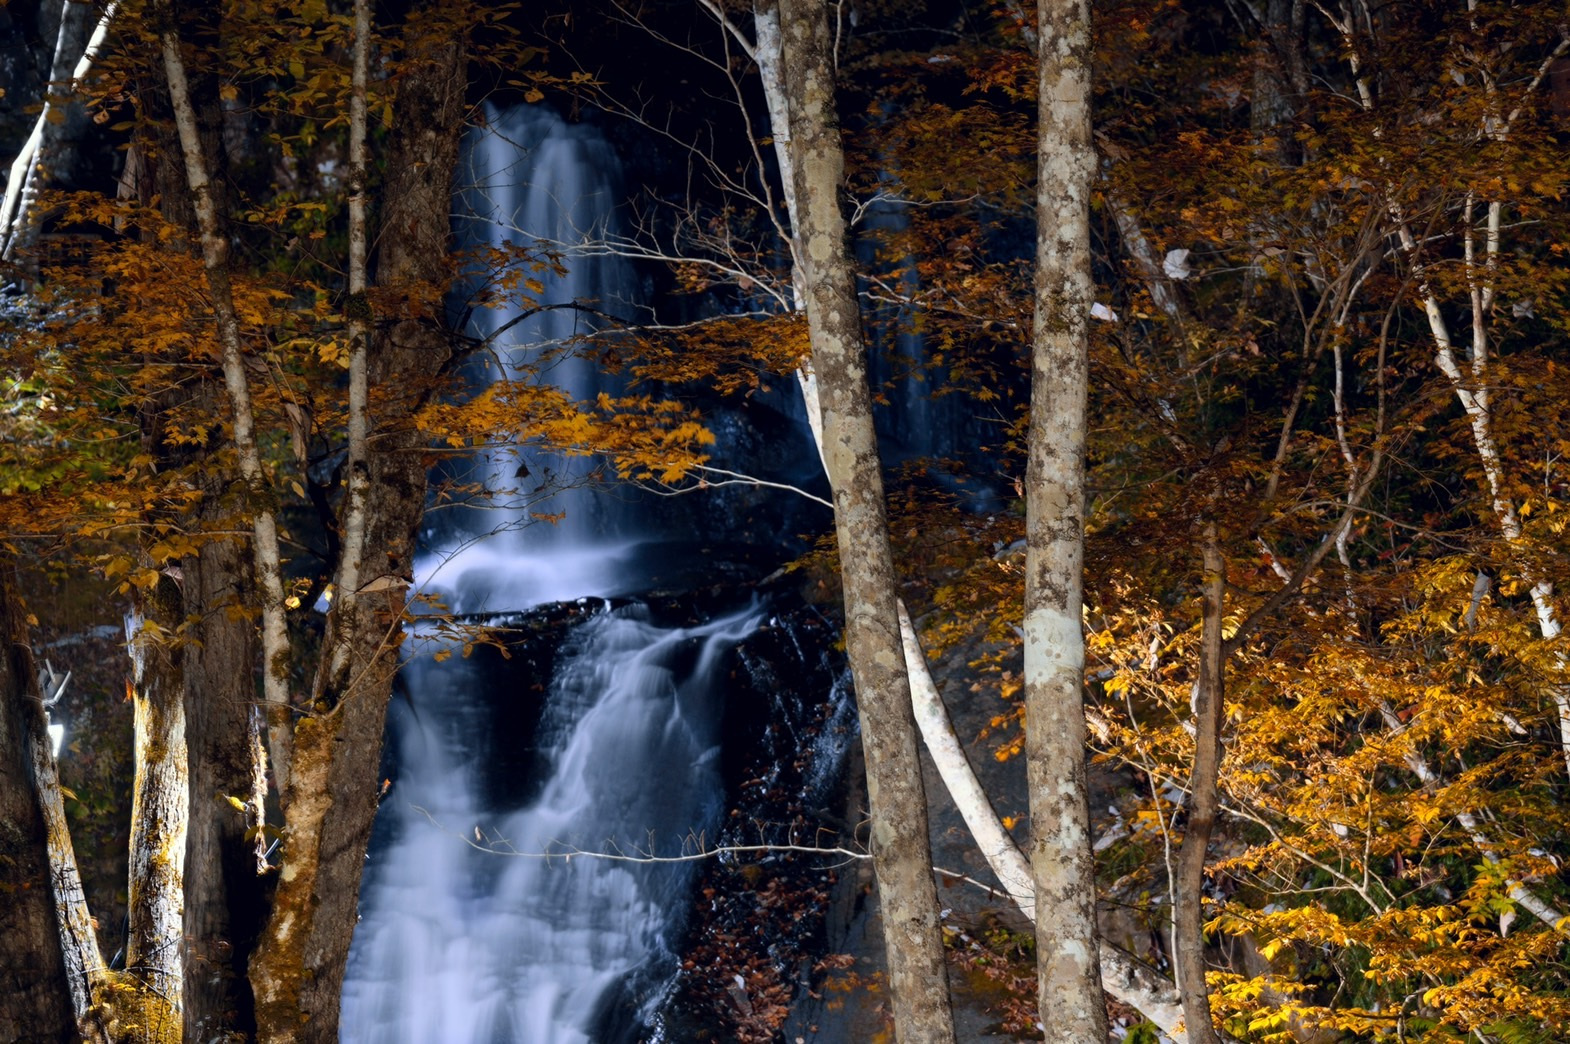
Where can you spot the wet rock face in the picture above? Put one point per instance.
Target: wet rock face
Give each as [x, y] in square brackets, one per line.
[758, 932]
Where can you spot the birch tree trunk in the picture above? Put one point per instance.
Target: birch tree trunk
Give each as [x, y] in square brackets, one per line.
[1062, 865]
[264, 523]
[901, 851]
[34, 992]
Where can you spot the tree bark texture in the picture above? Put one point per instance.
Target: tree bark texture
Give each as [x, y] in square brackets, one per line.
[1062, 865]
[34, 992]
[332, 795]
[159, 802]
[76, 941]
[901, 852]
[1203, 803]
[211, 223]
[1131, 982]
[224, 892]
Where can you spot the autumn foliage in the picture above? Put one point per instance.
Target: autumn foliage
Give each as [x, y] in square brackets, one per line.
[1330, 247]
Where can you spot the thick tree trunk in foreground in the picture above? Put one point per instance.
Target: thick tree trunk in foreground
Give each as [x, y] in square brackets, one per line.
[224, 892]
[34, 993]
[913, 938]
[1062, 865]
[332, 795]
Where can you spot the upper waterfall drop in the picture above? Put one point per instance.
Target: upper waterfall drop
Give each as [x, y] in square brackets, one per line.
[545, 193]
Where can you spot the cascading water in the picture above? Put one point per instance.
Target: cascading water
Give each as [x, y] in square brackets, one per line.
[481, 924]
[478, 925]
[539, 188]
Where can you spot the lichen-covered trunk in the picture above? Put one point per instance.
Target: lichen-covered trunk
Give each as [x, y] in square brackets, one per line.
[332, 795]
[1203, 803]
[35, 995]
[1062, 865]
[901, 852]
[155, 896]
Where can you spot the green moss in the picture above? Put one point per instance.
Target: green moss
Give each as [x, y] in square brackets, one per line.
[133, 1013]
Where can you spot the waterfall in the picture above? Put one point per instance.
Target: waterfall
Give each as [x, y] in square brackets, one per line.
[536, 184]
[480, 925]
[478, 921]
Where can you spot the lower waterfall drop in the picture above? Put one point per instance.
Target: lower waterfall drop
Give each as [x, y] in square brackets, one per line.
[489, 925]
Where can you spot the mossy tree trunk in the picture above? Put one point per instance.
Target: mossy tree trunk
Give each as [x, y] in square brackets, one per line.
[331, 799]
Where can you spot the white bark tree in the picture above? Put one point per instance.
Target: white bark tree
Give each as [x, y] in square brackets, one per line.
[1062, 865]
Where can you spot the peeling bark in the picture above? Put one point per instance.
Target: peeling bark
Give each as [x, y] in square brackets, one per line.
[902, 860]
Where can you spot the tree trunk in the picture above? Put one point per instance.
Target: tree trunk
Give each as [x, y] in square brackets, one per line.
[50, 151]
[332, 795]
[85, 973]
[1203, 803]
[1121, 976]
[34, 992]
[901, 852]
[224, 890]
[1062, 865]
[211, 222]
[159, 802]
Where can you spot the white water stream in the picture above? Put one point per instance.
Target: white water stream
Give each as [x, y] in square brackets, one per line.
[477, 926]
